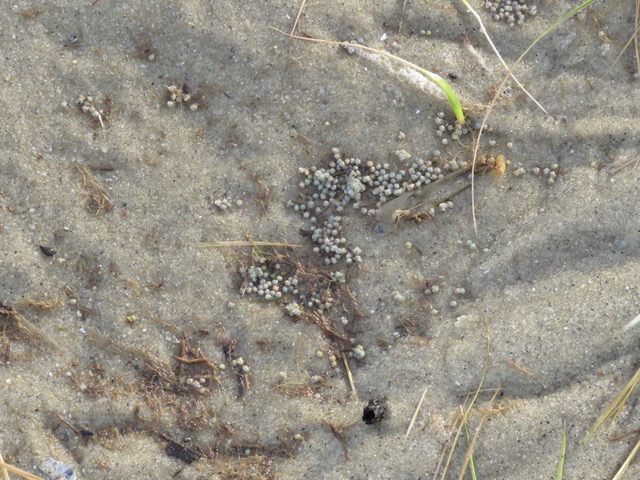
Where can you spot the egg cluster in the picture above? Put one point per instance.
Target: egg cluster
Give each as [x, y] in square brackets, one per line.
[447, 130]
[511, 11]
[268, 281]
[326, 194]
[180, 96]
[277, 278]
[88, 106]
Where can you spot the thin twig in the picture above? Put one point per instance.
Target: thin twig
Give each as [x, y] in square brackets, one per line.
[495, 50]
[404, 6]
[245, 243]
[415, 414]
[295, 24]
[494, 100]
[626, 164]
[635, 41]
[349, 377]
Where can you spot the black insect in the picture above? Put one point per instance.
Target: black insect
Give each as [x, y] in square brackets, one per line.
[374, 411]
[47, 251]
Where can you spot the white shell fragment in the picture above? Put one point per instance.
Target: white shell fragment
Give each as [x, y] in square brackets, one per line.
[53, 470]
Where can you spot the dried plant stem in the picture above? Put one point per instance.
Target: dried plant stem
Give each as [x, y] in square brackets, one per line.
[19, 471]
[627, 462]
[415, 414]
[245, 243]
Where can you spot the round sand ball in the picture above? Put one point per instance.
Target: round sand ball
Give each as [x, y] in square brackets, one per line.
[358, 352]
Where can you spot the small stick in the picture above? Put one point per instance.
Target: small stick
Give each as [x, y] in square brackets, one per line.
[415, 414]
[349, 376]
[404, 6]
[245, 243]
[632, 323]
[191, 361]
[295, 24]
[65, 422]
[624, 435]
[518, 367]
[636, 159]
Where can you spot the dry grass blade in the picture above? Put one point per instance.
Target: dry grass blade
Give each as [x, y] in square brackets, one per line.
[495, 50]
[632, 323]
[633, 38]
[14, 325]
[435, 78]
[621, 471]
[339, 432]
[19, 471]
[626, 164]
[413, 204]
[5, 472]
[347, 370]
[404, 7]
[460, 422]
[245, 243]
[615, 408]
[295, 24]
[494, 100]
[415, 414]
[469, 457]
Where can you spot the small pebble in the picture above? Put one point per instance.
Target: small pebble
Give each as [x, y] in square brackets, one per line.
[398, 297]
[358, 352]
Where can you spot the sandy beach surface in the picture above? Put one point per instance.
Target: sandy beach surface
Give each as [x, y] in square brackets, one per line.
[129, 351]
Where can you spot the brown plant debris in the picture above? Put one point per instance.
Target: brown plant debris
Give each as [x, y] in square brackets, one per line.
[229, 351]
[153, 370]
[178, 450]
[339, 432]
[98, 201]
[301, 386]
[14, 327]
[193, 363]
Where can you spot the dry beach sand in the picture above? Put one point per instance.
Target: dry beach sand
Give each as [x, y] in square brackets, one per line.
[91, 334]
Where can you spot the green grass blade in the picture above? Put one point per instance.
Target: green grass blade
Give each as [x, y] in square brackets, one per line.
[435, 78]
[472, 467]
[448, 91]
[563, 450]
